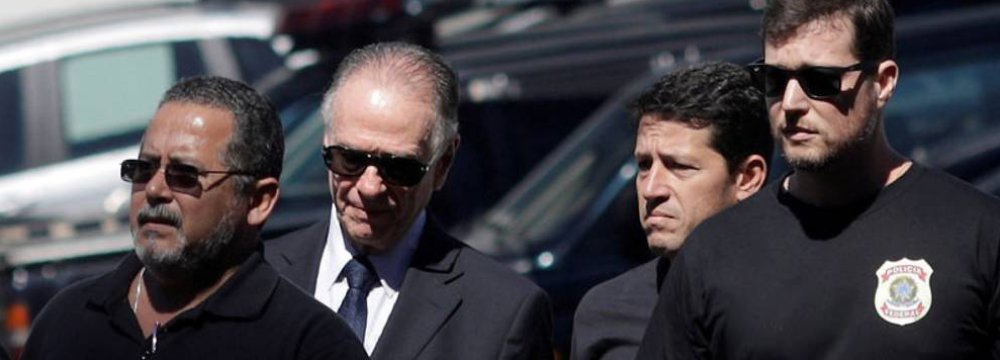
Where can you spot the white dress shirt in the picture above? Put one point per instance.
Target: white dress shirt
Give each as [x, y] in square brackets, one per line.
[331, 288]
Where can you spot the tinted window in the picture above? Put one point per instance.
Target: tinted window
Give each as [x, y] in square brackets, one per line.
[304, 173]
[944, 112]
[945, 98]
[256, 58]
[188, 58]
[544, 212]
[10, 118]
[612, 239]
[108, 97]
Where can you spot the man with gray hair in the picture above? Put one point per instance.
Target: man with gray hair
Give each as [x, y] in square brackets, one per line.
[408, 289]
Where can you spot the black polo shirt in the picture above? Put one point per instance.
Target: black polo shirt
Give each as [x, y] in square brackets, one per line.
[255, 315]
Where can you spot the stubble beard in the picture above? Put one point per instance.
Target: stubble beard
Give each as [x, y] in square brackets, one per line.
[189, 259]
[824, 161]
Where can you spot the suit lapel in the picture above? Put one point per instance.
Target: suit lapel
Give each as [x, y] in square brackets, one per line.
[426, 300]
[299, 259]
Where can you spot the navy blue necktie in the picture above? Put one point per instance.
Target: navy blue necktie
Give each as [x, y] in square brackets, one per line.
[354, 309]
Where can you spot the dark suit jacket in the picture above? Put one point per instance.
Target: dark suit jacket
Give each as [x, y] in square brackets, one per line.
[613, 315]
[455, 303]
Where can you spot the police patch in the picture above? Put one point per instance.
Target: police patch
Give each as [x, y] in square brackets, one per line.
[903, 295]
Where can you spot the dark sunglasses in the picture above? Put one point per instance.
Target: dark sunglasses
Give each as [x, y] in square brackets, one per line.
[396, 170]
[179, 177]
[819, 82]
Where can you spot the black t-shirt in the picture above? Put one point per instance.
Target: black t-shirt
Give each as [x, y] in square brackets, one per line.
[254, 315]
[910, 274]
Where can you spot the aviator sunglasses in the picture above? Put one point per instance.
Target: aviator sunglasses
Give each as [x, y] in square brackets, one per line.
[396, 170]
[818, 82]
[179, 177]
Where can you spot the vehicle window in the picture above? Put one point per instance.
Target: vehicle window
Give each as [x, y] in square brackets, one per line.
[945, 98]
[576, 181]
[614, 242]
[303, 173]
[256, 58]
[108, 97]
[188, 58]
[10, 118]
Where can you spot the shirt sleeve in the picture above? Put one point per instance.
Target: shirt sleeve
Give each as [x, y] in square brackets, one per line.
[586, 324]
[675, 329]
[990, 259]
[330, 338]
[530, 335]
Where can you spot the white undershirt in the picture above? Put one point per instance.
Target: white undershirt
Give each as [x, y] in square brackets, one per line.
[390, 267]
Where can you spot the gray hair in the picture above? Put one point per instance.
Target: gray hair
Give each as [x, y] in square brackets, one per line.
[411, 66]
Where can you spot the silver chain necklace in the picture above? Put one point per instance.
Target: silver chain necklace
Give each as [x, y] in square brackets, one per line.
[135, 308]
[138, 291]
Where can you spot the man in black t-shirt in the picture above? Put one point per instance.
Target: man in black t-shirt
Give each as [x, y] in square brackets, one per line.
[859, 252]
[702, 145]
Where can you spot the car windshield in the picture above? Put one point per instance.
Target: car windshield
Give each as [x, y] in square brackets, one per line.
[553, 197]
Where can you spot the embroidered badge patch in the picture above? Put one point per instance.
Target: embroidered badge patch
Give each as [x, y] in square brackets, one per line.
[903, 295]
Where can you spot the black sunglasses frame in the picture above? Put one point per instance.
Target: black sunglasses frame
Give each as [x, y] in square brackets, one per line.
[806, 77]
[179, 177]
[395, 170]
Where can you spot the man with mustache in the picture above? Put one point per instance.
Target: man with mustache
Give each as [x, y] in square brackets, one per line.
[408, 289]
[858, 253]
[197, 286]
[703, 144]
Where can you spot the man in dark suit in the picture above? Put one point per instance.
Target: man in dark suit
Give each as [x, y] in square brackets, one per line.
[408, 290]
[702, 145]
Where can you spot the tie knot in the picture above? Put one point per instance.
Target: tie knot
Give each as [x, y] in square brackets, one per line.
[359, 274]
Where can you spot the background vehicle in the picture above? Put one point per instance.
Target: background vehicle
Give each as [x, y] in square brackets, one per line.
[76, 92]
[573, 222]
[524, 90]
[80, 85]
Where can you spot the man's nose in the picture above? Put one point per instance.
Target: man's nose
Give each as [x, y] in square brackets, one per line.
[794, 98]
[656, 184]
[370, 182]
[157, 190]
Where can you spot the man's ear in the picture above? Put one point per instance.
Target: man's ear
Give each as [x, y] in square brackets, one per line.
[262, 201]
[440, 170]
[750, 176]
[886, 79]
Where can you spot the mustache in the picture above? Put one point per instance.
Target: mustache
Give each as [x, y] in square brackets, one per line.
[160, 214]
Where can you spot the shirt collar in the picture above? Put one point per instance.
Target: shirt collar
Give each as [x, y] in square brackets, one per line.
[247, 292]
[244, 295]
[391, 266]
[112, 288]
